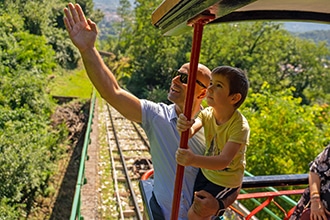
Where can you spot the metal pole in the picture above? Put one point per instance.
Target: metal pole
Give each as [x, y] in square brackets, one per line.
[194, 59]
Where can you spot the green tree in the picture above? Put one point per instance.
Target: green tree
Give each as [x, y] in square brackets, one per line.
[268, 52]
[29, 144]
[285, 135]
[153, 56]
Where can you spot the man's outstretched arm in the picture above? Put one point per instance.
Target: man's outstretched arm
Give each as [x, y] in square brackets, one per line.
[83, 34]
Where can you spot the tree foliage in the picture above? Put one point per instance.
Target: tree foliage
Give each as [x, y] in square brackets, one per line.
[146, 57]
[269, 53]
[29, 143]
[285, 135]
[287, 106]
[288, 76]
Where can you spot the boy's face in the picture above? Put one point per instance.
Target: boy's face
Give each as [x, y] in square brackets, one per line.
[218, 92]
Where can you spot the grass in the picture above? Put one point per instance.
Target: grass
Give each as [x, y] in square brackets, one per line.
[73, 83]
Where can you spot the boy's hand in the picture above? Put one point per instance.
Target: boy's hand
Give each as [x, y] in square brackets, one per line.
[183, 124]
[184, 157]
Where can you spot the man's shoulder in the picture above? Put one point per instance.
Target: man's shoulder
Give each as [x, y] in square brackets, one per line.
[146, 103]
[152, 109]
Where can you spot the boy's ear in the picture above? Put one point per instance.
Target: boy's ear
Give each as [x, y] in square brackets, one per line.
[235, 98]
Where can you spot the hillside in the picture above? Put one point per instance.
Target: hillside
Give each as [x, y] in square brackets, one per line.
[317, 36]
[302, 27]
[108, 5]
[314, 31]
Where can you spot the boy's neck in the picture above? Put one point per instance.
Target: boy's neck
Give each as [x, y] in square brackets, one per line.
[222, 117]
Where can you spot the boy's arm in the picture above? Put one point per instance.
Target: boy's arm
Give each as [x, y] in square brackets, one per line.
[194, 125]
[218, 162]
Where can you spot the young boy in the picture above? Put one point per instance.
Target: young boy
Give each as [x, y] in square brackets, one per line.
[227, 136]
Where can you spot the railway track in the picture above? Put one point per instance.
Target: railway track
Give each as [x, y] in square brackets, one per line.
[129, 159]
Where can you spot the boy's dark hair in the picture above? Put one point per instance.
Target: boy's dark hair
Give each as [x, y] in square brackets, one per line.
[238, 82]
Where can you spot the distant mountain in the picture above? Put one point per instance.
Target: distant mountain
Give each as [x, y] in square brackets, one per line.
[108, 5]
[109, 8]
[308, 30]
[316, 36]
[301, 27]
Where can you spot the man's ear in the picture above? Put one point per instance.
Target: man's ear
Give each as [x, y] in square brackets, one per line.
[235, 98]
[202, 94]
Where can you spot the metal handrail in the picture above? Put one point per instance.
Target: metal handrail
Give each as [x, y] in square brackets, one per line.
[81, 180]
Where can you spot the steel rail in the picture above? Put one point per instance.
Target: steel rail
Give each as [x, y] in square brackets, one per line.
[114, 171]
[129, 182]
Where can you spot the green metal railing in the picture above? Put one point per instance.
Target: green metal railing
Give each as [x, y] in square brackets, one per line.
[265, 209]
[81, 180]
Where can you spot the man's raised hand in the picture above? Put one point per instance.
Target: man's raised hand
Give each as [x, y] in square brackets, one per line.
[82, 32]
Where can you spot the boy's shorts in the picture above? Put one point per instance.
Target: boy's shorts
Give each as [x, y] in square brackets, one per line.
[219, 192]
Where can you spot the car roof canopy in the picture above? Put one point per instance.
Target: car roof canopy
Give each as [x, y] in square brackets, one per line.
[172, 16]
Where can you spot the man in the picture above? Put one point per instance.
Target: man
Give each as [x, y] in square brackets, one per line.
[157, 119]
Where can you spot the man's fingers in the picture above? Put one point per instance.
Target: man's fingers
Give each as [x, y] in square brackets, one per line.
[196, 204]
[68, 19]
[178, 155]
[74, 14]
[202, 194]
[67, 24]
[81, 14]
[196, 207]
[92, 25]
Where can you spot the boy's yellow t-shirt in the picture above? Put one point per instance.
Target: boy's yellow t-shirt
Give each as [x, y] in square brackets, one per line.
[237, 130]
